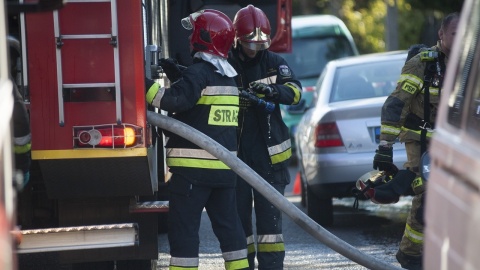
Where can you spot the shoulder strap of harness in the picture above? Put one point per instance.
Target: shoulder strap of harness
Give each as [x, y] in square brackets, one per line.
[434, 64]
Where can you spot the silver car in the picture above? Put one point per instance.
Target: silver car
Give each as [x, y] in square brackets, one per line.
[337, 138]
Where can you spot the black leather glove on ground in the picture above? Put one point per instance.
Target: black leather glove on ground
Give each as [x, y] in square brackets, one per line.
[263, 88]
[171, 69]
[383, 160]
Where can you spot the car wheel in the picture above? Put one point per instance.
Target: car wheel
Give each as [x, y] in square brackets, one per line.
[319, 209]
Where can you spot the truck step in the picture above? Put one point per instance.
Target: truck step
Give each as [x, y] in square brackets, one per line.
[150, 207]
[75, 238]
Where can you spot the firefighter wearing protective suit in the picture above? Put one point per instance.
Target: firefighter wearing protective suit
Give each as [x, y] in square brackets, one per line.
[22, 136]
[404, 116]
[21, 120]
[205, 97]
[264, 80]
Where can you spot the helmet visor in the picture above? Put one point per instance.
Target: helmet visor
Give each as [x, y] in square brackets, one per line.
[256, 40]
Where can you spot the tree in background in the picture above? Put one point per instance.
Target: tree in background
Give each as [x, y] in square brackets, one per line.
[417, 21]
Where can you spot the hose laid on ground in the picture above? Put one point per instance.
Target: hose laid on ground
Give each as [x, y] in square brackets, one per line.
[272, 195]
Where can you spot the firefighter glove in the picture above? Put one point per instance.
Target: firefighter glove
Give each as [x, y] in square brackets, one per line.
[171, 69]
[262, 88]
[383, 160]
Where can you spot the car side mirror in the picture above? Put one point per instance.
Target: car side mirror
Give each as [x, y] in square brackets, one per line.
[425, 169]
[299, 108]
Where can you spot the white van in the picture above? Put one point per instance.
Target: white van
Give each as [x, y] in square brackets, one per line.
[452, 232]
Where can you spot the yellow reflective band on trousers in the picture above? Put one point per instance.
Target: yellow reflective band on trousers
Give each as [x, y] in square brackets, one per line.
[194, 158]
[250, 244]
[271, 243]
[22, 149]
[236, 259]
[177, 263]
[412, 235]
[251, 248]
[280, 152]
[223, 116]
[237, 265]
[172, 267]
[271, 247]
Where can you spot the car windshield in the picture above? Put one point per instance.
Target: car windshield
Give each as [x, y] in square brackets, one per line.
[366, 80]
[310, 55]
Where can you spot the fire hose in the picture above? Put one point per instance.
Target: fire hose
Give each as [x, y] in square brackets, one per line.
[262, 186]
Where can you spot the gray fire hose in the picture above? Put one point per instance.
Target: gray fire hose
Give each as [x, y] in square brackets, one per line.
[272, 195]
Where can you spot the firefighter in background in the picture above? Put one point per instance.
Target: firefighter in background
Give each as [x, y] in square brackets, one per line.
[205, 97]
[405, 116]
[21, 121]
[21, 136]
[264, 80]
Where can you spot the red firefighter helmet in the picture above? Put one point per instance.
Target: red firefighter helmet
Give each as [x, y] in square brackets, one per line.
[252, 28]
[212, 32]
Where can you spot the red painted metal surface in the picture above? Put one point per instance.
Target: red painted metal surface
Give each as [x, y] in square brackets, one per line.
[83, 61]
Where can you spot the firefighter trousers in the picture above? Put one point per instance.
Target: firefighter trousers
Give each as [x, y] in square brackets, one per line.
[187, 202]
[412, 240]
[269, 248]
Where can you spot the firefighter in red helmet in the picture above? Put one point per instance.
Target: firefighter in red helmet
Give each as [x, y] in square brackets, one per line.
[204, 96]
[265, 81]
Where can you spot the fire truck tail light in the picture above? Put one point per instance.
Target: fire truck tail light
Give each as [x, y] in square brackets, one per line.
[107, 136]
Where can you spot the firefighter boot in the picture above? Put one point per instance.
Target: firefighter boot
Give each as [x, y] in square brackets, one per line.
[391, 191]
[408, 261]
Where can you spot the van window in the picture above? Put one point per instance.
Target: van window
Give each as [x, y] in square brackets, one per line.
[310, 55]
[459, 99]
[473, 120]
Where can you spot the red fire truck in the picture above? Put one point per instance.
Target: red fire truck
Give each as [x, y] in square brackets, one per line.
[96, 198]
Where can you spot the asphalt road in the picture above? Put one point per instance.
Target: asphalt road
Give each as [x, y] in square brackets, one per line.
[375, 230]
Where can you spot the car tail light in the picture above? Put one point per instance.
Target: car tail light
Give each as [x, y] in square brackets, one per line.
[107, 136]
[327, 135]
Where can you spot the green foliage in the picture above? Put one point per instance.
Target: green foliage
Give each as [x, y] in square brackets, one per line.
[367, 24]
[410, 25]
[417, 19]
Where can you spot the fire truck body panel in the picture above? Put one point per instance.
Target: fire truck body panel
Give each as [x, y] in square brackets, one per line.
[84, 61]
[87, 63]
[98, 167]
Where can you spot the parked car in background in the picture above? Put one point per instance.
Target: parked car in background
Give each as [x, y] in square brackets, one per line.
[317, 39]
[452, 235]
[337, 137]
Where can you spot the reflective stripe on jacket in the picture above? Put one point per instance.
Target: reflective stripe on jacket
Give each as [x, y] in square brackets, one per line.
[208, 102]
[407, 99]
[269, 68]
